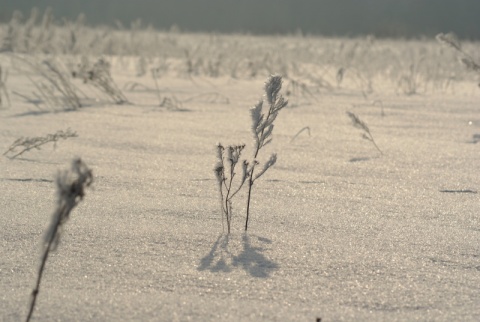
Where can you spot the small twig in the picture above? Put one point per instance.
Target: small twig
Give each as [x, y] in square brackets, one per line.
[36, 142]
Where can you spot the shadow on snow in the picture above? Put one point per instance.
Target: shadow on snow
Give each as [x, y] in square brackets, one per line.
[250, 258]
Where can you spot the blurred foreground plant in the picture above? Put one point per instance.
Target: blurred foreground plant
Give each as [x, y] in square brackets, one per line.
[451, 41]
[71, 190]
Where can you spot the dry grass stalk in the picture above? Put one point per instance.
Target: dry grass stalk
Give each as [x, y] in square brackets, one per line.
[98, 75]
[358, 123]
[55, 80]
[228, 158]
[27, 144]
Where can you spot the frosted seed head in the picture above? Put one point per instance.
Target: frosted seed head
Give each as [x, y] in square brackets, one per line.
[245, 172]
[257, 117]
[272, 87]
[281, 103]
[218, 171]
[357, 122]
[268, 164]
[220, 149]
[231, 154]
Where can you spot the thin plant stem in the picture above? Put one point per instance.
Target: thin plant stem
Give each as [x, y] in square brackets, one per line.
[248, 200]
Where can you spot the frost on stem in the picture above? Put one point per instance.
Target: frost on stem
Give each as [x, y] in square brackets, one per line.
[229, 157]
[262, 122]
[267, 165]
[262, 128]
[272, 88]
[227, 160]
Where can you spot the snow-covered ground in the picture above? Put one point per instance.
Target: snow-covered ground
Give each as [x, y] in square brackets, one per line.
[338, 231]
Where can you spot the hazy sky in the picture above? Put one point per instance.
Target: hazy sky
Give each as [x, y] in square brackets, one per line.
[327, 17]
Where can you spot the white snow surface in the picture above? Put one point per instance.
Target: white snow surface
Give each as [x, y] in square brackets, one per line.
[338, 231]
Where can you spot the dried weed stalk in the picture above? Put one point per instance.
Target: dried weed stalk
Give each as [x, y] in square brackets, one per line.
[228, 159]
[262, 128]
[27, 144]
[358, 123]
[71, 190]
[54, 80]
[98, 75]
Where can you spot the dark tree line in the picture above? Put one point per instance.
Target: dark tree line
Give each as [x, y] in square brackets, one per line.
[383, 18]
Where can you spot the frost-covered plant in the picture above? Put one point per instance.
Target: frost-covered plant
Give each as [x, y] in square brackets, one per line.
[98, 75]
[71, 190]
[262, 128]
[27, 144]
[227, 160]
[358, 123]
[4, 98]
[451, 41]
